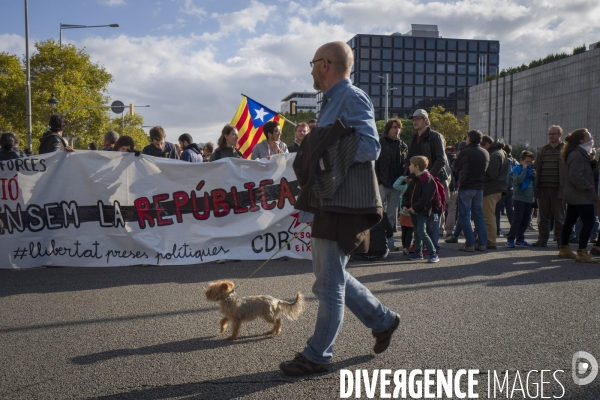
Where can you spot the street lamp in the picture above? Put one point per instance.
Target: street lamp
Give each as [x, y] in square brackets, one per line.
[71, 26]
[52, 102]
[387, 91]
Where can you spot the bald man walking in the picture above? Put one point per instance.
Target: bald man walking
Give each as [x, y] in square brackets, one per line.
[334, 287]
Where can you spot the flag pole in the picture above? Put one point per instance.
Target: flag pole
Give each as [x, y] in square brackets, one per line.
[281, 115]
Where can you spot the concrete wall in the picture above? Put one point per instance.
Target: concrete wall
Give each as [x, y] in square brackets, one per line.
[512, 108]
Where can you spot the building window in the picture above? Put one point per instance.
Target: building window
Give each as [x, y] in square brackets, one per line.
[398, 42]
[483, 47]
[408, 79]
[441, 44]
[430, 68]
[375, 90]
[461, 68]
[462, 57]
[419, 56]
[430, 44]
[472, 45]
[407, 91]
[494, 47]
[397, 79]
[472, 80]
[419, 80]
[440, 92]
[397, 54]
[364, 65]
[364, 53]
[451, 45]
[409, 43]
[440, 68]
[451, 93]
[375, 41]
[408, 67]
[376, 101]
[408, 103]
[430, 56]
[440, 80]
[352, 42]
[451, 68]
[397, 102]
[375, 65]
[462, 45]
[493, 59]
[473, 58]
[472, 69]
[397, 67]
[364, 77]
[451, 80]
[492, 70]
[365, 88]
[440, 56]
[419, 67]
[364, 41]
[375, 54]
[386, 66]
[409, 55]
[419, 43]
[461, 104]
[430, 80]
[461, 81]
[375, 77]
[387, 42]
[451, 57]
[419, 91]
[429, 91]
[386, 54]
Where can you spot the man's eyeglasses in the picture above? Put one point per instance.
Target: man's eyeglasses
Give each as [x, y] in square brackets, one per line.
[312, 63]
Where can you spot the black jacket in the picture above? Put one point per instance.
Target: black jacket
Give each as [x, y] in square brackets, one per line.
[168, 151]
[419, 196]
[470, 166]
[379, 237]
[383, 164]
[497, 173]
[294, 148]
[51, 142]
[432, 147]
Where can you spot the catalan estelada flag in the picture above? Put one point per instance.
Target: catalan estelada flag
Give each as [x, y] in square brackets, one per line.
[249, 120]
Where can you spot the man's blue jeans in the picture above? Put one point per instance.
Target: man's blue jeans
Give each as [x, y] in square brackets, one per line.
[333, 287]
[470, 201]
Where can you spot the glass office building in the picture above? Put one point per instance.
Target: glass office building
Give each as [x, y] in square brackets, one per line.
[423, 70]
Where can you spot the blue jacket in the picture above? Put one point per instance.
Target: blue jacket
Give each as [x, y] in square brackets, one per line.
[192, 153]
[522, 183]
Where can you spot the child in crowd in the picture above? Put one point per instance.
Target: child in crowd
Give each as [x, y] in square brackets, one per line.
[417, 201]
[522, 177]
[406, 224]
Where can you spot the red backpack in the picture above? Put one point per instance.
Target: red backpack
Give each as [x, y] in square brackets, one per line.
[438, 204]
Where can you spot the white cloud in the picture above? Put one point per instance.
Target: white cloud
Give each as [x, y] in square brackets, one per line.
[190, 9]
[14, 44]
[112, 2]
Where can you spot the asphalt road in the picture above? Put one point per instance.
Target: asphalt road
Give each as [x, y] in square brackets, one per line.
[148, 332]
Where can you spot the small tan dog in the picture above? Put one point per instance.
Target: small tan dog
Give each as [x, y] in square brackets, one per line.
[236, 309]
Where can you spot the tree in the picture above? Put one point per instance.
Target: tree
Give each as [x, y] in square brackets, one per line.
[287, 135]
[406, 133]
[76, 82]
[132, 127]
[446, 123]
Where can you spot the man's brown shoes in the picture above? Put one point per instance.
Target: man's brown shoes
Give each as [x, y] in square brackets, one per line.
[382, 339]
[301, 366]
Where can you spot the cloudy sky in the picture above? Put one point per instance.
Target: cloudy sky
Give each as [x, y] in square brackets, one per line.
[191, 59]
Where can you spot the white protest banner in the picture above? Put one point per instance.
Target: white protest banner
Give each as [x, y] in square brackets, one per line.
[102, 208]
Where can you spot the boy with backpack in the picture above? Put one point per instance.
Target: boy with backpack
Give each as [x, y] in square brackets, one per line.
[522, 176]
[418, 200]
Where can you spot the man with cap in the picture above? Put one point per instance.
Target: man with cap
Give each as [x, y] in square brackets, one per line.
[429, 143]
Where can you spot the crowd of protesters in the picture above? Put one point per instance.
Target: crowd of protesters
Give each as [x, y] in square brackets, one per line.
[478, 181]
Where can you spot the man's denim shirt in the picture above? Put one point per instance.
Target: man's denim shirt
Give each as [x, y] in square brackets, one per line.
[351, 105]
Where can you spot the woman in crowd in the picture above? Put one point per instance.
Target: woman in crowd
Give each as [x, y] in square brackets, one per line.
[227, 143]
[10, 142]
[124, 144]
[579, 192]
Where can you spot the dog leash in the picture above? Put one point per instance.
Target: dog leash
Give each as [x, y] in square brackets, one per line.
[269, 259]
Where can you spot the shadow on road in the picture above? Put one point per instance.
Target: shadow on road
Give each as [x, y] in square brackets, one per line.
[55, 280]
[183, 346]
[235, 386]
